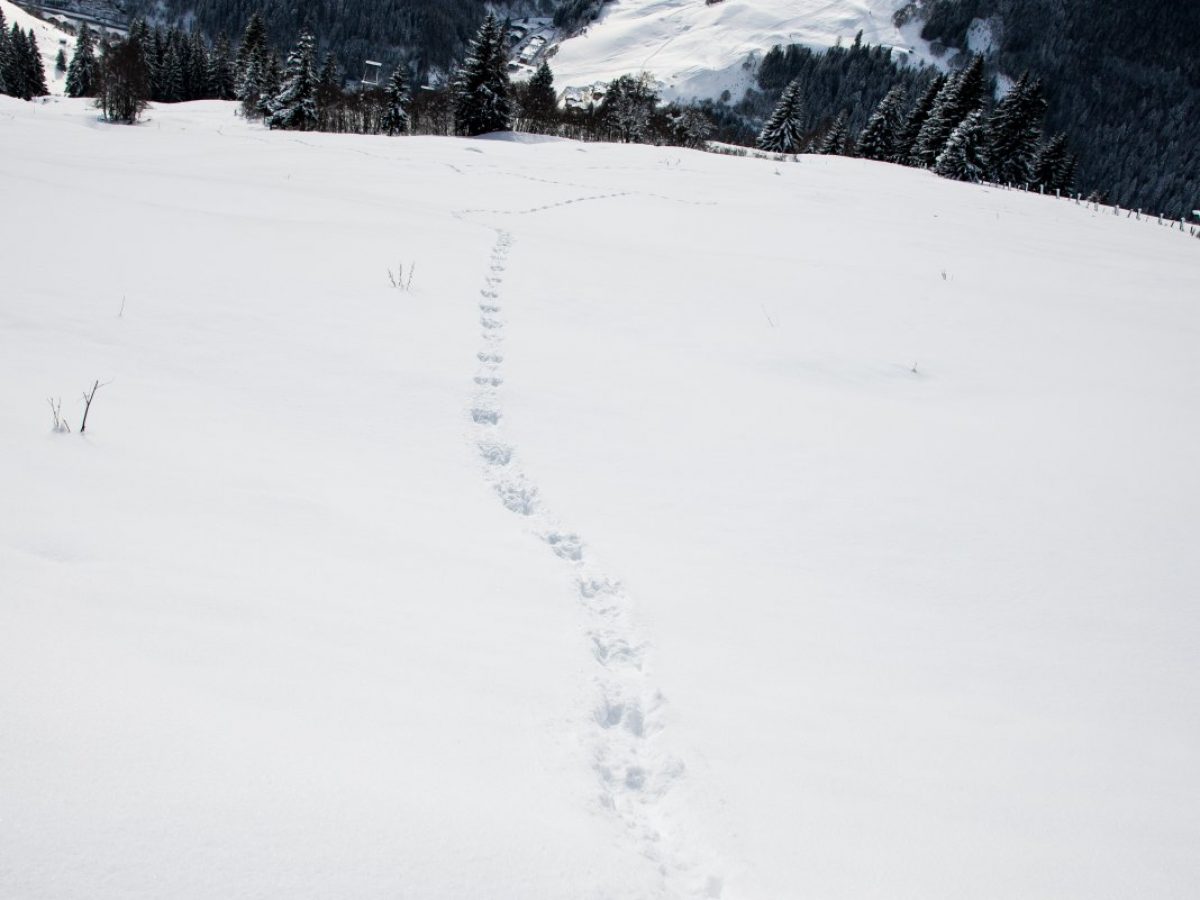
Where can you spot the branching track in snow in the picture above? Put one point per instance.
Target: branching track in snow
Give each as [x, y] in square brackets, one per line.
[633, 768]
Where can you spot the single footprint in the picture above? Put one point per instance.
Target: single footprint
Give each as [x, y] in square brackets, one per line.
[484, 416]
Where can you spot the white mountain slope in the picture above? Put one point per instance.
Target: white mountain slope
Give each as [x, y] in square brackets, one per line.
[694, 527]
[699, 50]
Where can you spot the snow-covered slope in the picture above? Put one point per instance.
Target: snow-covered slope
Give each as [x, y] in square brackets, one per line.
[699, 50]
[694, 527]
[49, 39]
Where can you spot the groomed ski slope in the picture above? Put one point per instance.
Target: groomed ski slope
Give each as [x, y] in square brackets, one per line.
[693, 527]
[697, 49]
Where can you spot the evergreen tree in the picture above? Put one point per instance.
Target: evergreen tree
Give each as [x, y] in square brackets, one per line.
[395, 115]
[250, 84]
[272, 84]
[963, 157]
[329, 94]
[3, 54]
[880, 137]
[962, 95]
[16, 74]
[148, 45]
[1013, 132]
[541, 99]
[834, 141]
[83, 72]
[196, 80]
[171, 88]
[36, 78]
[252, 50]
[220, 71]
[784, 131]
[60, 62]
[295, 107]
[482, 102]
[917, 117]
[1053, 168]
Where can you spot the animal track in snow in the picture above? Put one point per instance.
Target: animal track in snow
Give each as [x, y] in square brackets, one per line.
[484, 416]
[495, 453]
[632, 770]
[565, 546]
[518, 496]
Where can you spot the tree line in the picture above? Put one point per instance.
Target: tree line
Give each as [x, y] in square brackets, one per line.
[950, 127]
[1122, 78]
[946, 123]
[22, 73]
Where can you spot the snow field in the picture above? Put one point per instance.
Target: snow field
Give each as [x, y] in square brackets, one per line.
[696, 526]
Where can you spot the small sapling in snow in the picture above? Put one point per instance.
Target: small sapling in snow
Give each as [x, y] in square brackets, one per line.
[60, 424]
[88, 397]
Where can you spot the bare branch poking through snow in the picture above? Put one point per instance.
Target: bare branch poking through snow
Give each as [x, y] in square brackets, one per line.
[88, 397]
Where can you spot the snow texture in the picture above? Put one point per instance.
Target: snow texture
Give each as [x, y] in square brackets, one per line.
[694, 527]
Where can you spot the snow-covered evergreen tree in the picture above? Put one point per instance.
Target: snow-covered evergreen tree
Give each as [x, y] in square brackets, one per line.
[962, 95]
[963, 157]
[917, 117]
[482, 101]
[396, 98]
[252, 52]
[83, 72]
[295, 106]
[272, 84]
[833, 142]
[1013, 132]
[784, 131]
[881, 135]
[540, 101]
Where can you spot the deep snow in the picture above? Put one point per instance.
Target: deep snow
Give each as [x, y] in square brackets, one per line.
[695, 526]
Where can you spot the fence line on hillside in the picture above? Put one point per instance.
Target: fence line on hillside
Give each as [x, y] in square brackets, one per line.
[1137, 214]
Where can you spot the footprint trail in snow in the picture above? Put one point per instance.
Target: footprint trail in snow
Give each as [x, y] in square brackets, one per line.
[633, 770]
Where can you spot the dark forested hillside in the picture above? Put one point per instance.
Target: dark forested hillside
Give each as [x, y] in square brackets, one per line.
[429, 34]
[1122, 78]
[850, 80]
